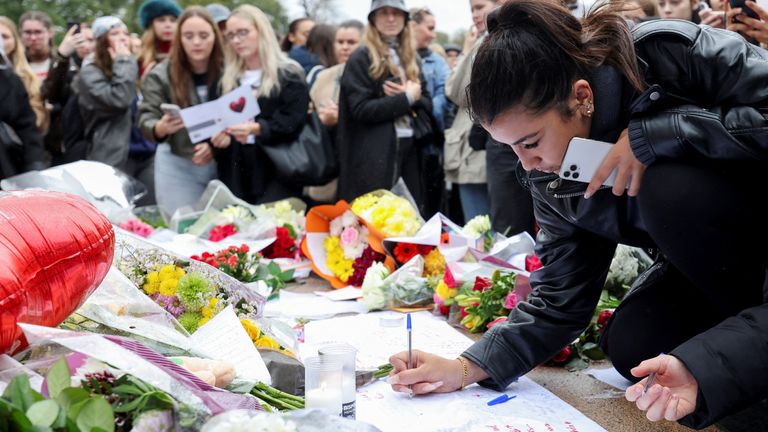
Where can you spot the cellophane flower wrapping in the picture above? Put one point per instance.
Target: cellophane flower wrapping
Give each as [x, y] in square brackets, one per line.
[405, 288]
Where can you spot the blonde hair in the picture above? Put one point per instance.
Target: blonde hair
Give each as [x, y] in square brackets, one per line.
[271, 56]
[381, 61]
[148, 53]
[31, 81]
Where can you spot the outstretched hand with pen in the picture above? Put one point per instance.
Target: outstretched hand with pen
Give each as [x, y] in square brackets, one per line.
[671, 396]
[430, 373]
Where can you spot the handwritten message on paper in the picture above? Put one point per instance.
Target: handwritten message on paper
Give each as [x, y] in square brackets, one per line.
[534, 409]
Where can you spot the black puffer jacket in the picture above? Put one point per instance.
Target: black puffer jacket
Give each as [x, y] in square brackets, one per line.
[16, 113]
[707, 95]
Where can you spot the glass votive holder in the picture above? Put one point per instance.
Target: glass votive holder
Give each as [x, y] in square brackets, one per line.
[345, 354]
[322, 381]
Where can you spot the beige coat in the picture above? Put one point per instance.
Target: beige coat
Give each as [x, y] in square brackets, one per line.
[462, 164]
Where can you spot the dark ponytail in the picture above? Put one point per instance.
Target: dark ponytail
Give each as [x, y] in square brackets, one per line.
[535, 50]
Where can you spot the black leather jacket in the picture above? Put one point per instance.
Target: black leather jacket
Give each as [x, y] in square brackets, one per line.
[707, 92]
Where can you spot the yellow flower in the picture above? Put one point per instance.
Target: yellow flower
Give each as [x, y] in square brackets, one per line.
[434, 264]
[152, 283]
[363, 203]
[203, 321]
[335, 261]
[252, 329]
[168, 272]
[267, 342]
[444, 291]
[180, 272]
[211, 309]
[168, 287]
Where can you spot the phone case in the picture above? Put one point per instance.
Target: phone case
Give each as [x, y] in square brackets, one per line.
[583, 158]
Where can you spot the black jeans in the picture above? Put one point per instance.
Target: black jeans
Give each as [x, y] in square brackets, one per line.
[707, 222]
[511, 204]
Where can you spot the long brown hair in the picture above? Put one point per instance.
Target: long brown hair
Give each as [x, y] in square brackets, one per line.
[381, 62]
[535, 50]
[179, 68]
[101, 57]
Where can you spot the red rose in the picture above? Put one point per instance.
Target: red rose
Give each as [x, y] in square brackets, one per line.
[603, 317]
[496, 321]
[463, 312]
[532, 263]
[232, 261]
[444, 310]
[562, 357]
[244, 248]
[481, 284]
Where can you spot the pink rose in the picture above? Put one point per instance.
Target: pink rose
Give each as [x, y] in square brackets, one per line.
[349, 237]
[511, 301]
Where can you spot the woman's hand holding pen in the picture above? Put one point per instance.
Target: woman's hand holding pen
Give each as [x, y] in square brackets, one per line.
[430, 373]
[629, 170]
[672, 397]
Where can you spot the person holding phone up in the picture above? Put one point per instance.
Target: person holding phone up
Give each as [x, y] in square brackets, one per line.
[752, 23]
[690, 144]
[106, 87]
[381, 85]
[190, 76]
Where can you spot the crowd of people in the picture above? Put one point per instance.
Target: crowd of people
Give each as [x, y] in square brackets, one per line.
[683, 101]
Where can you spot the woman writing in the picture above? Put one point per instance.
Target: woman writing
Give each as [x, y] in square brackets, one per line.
[189, 77]
[689, 147]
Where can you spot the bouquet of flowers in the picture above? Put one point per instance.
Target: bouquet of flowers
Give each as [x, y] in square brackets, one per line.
[348, 253]
[487, 302]
[388, 213]
[192, 291]
[479, 229]
[405, 288]
[341, 245]
[247, 267]
[136, 226]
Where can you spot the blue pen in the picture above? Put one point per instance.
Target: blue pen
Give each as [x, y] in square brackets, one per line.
[651, 380]
[410, 358]
[501, 399]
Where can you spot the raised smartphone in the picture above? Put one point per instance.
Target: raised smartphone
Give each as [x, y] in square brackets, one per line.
[583, 158]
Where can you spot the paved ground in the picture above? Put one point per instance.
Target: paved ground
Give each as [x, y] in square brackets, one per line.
[605, 404]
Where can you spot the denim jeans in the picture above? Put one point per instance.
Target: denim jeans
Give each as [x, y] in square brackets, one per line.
[178, 181]
[474, 199]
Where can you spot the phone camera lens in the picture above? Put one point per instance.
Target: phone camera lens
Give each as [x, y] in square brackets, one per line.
[575, 175]
[574, 167]
[566, 174]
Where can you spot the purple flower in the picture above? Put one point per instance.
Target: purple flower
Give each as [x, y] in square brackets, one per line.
[174, 306]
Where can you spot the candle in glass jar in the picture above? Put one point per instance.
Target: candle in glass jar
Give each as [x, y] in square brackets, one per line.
[325, 398]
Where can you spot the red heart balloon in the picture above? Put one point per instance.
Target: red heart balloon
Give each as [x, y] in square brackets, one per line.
[237, 105]
[55, 249]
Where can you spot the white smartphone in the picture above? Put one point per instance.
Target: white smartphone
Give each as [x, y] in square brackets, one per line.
[583, 158]
[171, 109]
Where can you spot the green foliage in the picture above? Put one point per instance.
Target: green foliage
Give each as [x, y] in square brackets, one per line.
[75, 409]
[25, 410]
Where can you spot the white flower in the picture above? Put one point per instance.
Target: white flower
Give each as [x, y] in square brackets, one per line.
[247, 421]
[349, 219]
[336, 227]
[374, 294]
[234, 214]
[624, 267]
[476, 227]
